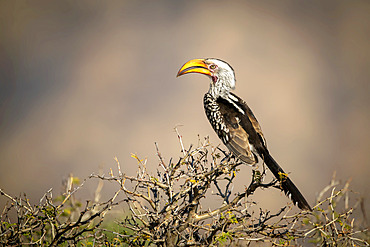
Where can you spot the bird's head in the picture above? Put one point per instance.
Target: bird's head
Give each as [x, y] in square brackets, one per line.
[221, 73]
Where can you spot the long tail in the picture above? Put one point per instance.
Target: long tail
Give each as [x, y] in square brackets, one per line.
[287, 185]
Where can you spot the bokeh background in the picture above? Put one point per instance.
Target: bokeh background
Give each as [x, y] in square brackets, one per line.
[84, 81]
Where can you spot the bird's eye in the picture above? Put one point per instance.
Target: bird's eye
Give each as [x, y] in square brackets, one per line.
[212, 66]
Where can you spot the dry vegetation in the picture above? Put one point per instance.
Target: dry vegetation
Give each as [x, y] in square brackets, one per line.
[165, 209]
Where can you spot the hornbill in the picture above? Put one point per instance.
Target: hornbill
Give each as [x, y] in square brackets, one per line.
[235, 123]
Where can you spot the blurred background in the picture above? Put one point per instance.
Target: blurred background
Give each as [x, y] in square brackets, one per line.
[82, 82]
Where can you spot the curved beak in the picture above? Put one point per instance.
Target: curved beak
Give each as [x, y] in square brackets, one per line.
[194, 66]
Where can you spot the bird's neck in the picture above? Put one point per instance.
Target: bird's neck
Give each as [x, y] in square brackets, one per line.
[218, 92]
[219, 88]
[224, 92]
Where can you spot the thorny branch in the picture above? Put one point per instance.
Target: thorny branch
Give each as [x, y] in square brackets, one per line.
[167, 209]
[48, 223]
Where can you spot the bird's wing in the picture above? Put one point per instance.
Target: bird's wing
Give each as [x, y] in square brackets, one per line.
[253, 120]
[239, 136]
[239, 145]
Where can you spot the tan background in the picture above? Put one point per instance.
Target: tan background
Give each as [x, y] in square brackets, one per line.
[82, 82]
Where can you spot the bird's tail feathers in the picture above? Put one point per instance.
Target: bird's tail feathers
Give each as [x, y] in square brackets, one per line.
[287, 185]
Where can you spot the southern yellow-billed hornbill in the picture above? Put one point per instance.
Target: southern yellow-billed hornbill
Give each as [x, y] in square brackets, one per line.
[235, 123]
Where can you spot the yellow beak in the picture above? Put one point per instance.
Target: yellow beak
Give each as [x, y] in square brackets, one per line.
[194, 66]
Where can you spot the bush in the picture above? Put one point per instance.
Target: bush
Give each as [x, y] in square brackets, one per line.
[166, 210]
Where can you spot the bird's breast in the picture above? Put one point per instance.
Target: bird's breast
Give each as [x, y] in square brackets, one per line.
[216, 118]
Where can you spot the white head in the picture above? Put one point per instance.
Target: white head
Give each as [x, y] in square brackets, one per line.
[221, 73]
